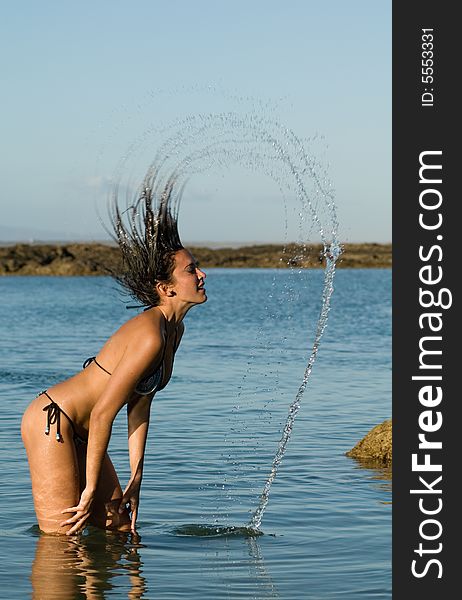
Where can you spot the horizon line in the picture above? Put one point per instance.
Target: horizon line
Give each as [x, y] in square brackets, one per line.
[193, 243]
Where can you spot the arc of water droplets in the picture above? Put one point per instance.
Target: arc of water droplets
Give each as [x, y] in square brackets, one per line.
[231, 138]
[252, 129]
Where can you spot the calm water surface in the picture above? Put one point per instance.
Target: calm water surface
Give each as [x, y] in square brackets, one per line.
[214, 432]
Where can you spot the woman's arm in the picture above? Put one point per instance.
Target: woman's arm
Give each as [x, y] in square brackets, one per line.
[138, 423]
[138, 414]
[136, 361]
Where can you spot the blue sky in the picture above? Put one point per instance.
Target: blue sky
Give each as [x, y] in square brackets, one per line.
[83, 81]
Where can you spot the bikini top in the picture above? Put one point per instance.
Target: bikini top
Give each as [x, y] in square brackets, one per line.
[147, 385]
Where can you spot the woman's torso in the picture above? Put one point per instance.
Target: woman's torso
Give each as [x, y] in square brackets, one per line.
[78, 395]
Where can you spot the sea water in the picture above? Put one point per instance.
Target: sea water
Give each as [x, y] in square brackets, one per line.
[326, 532]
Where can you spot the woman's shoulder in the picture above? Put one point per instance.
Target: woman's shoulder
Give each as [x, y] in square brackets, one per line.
[147, 328]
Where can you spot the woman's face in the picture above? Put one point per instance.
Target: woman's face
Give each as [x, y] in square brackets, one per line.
[188, 279]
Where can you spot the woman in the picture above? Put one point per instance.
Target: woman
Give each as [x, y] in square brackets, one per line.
[66, 429]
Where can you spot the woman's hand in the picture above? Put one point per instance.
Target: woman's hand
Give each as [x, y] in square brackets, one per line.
[82, 512]
[131, 497]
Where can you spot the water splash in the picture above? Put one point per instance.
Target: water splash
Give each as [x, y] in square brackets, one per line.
[197, 144]
[217, 531]
[200, 143]
[331, 255]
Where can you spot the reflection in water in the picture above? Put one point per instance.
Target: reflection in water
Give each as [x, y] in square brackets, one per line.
[87, 566]
[379, 472]
[265, 584]
[229, 558]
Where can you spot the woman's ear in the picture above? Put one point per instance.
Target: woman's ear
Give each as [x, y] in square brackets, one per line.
[165, 290]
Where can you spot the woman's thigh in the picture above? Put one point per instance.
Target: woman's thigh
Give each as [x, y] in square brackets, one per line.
[53, 467]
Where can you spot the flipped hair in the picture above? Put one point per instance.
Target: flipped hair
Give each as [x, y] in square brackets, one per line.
[147, 236]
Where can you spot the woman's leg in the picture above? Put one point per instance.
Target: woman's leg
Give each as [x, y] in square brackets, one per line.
[53, 467]
[105, 509]
[58, 475]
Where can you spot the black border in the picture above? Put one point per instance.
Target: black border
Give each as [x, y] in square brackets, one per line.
[418, 128]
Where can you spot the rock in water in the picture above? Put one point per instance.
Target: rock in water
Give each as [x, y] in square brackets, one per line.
[376, 445]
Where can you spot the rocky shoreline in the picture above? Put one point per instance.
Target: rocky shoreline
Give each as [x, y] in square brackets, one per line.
[97, 258]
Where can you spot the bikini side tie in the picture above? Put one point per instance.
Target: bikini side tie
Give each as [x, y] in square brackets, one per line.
[53, 416]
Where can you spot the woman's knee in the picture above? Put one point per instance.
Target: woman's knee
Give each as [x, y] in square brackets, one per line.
[111, 518]
[52, 524]
[120, 521]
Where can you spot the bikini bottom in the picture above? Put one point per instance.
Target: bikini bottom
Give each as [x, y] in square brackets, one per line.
[54, 412]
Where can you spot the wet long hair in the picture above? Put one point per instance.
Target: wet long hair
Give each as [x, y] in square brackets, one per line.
[147, 235]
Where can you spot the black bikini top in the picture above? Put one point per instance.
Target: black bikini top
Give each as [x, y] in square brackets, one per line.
[145, 386]
[149, 384]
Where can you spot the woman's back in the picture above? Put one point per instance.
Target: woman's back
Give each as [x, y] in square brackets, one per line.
[78, 395]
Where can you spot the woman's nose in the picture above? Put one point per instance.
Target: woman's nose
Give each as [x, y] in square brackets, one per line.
[201, 274]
